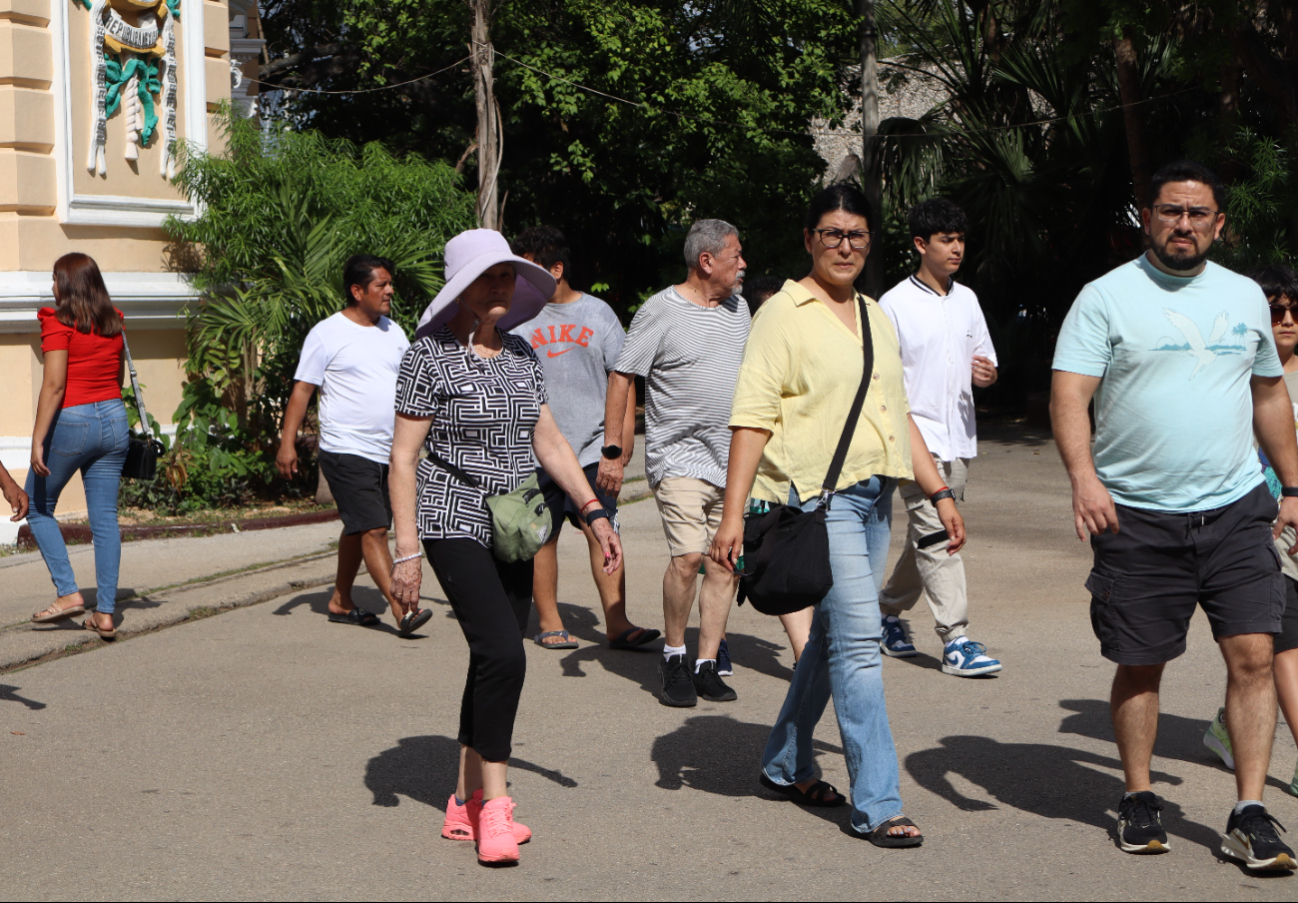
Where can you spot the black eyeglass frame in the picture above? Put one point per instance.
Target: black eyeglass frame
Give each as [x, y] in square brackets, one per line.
[820, 236]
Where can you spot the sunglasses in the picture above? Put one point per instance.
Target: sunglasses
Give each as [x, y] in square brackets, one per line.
[1278, 312]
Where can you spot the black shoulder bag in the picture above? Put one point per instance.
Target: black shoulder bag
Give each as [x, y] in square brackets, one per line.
[786, 550]
[141, 454]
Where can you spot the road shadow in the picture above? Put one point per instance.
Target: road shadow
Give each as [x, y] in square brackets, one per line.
[1053, 782]
[717, 754]
[10, 694]
[1179, 738]
[425, 770]
[1013, 431]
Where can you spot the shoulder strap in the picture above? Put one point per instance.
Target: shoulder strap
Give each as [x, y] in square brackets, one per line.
[135, 389]
[849, 429]
[462, 475]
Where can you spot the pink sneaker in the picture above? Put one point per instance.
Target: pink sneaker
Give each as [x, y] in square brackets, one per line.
[462, 821]
[496, 843]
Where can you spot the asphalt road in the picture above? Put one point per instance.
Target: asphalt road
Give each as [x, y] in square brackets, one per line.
[266, 753]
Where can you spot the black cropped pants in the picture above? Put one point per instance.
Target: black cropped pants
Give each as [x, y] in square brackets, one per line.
[492, 601]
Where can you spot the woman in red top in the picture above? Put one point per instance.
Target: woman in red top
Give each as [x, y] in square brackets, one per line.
[80, 426]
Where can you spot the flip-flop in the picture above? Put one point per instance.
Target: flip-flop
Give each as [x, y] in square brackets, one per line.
[413, 621]
[881, 838]
[89, 624]
[568, 641]
[52, 614]
[815, 795]
[647, 635]
[358, 616]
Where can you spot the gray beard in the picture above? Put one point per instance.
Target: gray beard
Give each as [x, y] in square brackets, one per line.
[1180, 264]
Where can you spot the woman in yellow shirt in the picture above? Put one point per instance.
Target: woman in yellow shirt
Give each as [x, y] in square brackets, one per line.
[801, 370]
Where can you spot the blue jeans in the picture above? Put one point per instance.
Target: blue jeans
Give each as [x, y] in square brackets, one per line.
[842, 659]
[91, 438]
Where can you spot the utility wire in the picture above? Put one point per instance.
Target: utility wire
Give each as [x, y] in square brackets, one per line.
[359, 90]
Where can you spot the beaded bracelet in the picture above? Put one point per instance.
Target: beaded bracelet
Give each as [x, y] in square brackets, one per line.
[407, 558]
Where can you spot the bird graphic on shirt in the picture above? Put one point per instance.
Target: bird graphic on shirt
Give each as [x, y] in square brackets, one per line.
[1199, 349]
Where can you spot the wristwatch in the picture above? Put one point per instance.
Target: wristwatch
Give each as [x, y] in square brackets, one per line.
[611, 451]
[595, 515]
[943, 493]
[1289, 492]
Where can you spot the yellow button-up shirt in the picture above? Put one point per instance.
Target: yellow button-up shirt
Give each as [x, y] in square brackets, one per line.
[800, 373]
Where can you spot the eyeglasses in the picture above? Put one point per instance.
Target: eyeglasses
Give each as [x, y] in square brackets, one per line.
[1279, 310]
[1200, 217]
[832, 238]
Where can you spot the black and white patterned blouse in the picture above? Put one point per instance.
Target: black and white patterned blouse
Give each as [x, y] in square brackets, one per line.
[484, 412]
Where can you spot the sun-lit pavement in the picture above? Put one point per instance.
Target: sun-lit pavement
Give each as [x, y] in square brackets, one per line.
[265, 753]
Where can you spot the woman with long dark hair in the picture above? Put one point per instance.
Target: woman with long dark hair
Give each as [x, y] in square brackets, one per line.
[802, 369]
[80, 426]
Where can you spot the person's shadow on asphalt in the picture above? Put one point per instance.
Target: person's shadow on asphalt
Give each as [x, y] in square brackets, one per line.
[1051, 781]
[717, 754]
[425, 769]
[9, 693]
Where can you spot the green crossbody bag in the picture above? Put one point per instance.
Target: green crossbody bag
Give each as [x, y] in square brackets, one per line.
[520, 520]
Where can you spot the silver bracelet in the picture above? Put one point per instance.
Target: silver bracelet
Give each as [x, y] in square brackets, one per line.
[407, 558]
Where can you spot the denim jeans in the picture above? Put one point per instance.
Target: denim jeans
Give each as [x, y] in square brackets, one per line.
[91, 438]
[842, 659]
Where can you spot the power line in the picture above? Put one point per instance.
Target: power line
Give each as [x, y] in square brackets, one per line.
[359, 90]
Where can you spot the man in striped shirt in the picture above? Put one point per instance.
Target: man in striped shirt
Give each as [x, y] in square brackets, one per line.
[687, 342]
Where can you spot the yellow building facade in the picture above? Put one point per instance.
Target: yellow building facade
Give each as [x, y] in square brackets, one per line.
[96, 100]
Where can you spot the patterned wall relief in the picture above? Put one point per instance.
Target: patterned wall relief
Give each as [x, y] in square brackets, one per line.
[133, 53]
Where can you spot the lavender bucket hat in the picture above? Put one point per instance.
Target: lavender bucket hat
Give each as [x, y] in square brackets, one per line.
[468, 256]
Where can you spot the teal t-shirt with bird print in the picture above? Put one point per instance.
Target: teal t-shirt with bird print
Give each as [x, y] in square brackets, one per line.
[1174, 409]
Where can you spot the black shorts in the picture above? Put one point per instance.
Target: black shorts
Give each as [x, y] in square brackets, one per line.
[1149, 576]
[560, 505]
[1287, 638]
[360, 489]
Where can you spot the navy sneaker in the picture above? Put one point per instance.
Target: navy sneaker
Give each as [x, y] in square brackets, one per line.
[1139, 828]
[1250, 836]
[724, 666]
[965, 658]
[895, 641]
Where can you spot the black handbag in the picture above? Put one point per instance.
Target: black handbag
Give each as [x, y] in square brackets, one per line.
[141, 454]
[786, 549]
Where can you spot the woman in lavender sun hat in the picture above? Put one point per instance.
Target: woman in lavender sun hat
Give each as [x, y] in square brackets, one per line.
[474, 396]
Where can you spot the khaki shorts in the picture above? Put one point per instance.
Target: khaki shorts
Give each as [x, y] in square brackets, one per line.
[691, 513]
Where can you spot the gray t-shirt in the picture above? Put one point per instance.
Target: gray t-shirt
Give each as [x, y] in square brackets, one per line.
[577, 344]
[689, 356]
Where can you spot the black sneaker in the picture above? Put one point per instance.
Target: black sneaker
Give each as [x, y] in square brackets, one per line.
[710, 685]
[1250, 836]
[724, 667]
[1139, 828]
[678, 687]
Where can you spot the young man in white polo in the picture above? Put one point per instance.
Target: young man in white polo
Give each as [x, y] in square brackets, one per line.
[353, 358]
[945, 351]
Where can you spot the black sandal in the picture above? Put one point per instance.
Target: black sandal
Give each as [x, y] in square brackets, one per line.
[413, 620]
[358, 616]
[881, 838]
[818, 794]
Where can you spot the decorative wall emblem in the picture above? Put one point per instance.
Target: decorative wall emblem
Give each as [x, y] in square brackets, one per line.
[133, 51]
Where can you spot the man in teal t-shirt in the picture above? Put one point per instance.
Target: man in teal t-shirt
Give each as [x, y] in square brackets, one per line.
[1178, 355]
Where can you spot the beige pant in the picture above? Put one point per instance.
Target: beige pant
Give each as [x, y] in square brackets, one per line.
[931, 570]
[691, 513]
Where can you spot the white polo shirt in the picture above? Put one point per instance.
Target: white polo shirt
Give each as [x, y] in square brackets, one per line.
[939, 336]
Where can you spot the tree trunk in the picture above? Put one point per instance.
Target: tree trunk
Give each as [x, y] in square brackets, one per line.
[1129, 88]
[871, 180]
[490, 140]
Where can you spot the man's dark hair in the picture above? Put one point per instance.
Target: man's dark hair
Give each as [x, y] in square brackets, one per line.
[359, 270]
[928, 218]
[1188, 171]
[758, 288]
[839, 196]
[547, 246]
[1277, 282]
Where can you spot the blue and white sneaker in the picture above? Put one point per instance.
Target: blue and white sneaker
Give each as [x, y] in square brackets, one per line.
[724, 666]
[965, 658]
[895, 641]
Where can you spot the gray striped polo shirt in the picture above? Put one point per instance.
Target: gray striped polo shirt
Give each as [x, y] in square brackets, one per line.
[689, 356]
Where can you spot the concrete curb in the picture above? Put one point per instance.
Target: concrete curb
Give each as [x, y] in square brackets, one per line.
[28, 643]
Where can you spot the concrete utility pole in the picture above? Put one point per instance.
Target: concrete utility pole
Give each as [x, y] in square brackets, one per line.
[491, 140]
[871, 182]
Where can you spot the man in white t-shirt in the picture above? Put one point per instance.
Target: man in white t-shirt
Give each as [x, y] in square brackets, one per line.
[945, 350]
[353, 358]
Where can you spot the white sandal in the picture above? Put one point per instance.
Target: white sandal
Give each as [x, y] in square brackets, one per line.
[52, 614]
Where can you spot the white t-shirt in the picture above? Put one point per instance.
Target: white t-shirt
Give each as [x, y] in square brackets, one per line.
[939, 336]
[356, 369]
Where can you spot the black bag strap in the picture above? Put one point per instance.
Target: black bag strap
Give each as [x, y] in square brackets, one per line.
[462, 475]
[135, 388]
[849, 429]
